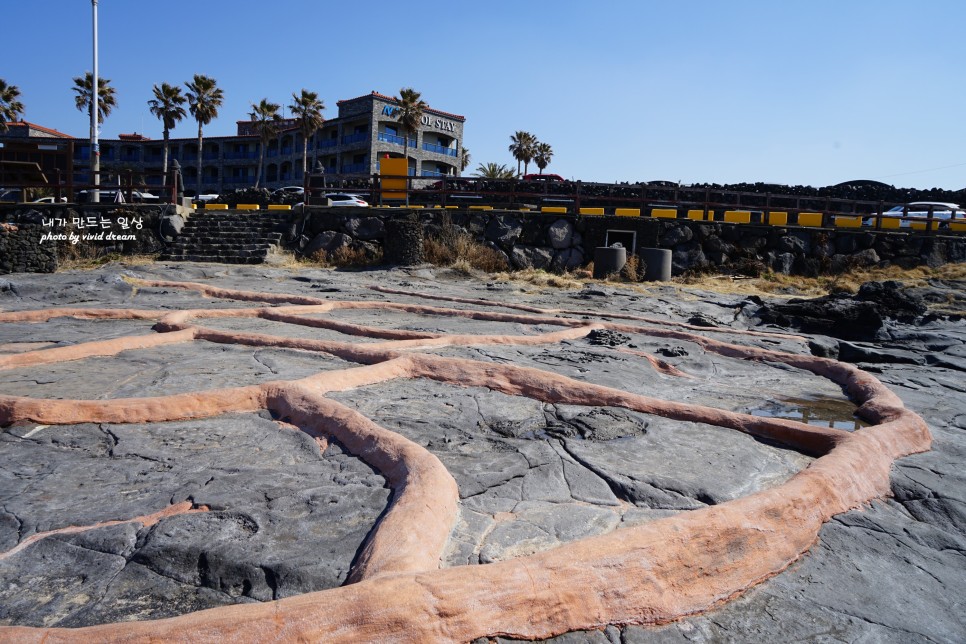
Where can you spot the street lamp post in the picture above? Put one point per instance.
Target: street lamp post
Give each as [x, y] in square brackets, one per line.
[95, 99]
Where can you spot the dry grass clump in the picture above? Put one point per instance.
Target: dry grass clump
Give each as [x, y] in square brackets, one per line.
[90, 261]
[457, 249]
[541, 278]
[346, 257]
[770, 283]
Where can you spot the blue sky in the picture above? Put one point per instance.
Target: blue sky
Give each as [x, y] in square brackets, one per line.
[791, 92]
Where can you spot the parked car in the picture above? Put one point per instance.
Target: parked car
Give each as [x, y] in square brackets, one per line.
[205, 198]
[110, 196]
[11, 194]
[941, 211]
[50, 200]
[543, 177]
[345, 199]
[290, 190]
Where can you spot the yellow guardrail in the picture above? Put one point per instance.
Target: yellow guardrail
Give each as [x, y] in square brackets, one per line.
[247, 206]
[810, 219]
[778, 218]
[842, 221]
[627, 212]
[664, 213]
[555, 209]
[696, 215]
[592, 211]
[737, 216]
[213, 206]
[274, 206]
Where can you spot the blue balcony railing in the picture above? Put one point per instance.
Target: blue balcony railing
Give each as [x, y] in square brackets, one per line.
[396, 139]
[208, 156]
[439, 149]
[249, 154]
[355, 168]
[286, 151]
[327, 143]
[433, 173]
[356, 138]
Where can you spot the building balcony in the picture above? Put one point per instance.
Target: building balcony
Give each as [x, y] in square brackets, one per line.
[286, 151]
[433, 173]
[237, 180]
[241, 155]
[439, 149]
[361, 137]
[386, 137]
[326, 143]
[355, 168]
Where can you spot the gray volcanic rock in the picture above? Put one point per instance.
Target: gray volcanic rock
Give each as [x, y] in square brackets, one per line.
[285, 517]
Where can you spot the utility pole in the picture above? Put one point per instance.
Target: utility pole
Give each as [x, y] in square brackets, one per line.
[95, 104]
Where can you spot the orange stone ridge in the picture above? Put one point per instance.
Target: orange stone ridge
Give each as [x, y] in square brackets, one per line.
[653, 573]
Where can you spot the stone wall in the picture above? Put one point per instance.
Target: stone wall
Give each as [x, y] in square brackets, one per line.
[561, 242]
[22, 252]
[71, 230]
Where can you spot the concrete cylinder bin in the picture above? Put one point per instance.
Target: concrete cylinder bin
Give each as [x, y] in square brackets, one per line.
[608, 259]
[657, 262]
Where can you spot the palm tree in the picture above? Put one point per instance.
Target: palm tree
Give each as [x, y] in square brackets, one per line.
[204, 98]
[265, 120]
[542, 155]
[494, 171]
[10, 107]
[521, 147]
[106, 101]
[166, 105]
[409, 114]
[464, 159]
[307, 108]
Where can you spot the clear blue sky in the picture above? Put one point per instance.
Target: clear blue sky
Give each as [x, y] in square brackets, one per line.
[798, 92]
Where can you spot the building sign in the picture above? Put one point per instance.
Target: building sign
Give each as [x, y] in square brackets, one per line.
[426, 120]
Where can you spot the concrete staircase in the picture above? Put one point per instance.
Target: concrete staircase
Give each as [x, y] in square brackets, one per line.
[228, 237]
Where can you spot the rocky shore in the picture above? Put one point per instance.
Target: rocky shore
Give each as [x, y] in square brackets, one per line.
[126, 509]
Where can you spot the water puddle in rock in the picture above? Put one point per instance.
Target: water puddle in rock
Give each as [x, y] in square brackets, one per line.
[822, 412]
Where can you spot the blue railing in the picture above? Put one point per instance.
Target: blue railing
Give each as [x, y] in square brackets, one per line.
[355, 168]
[439, 149]
[327, 143]
[395, 138]
[432, 173]
[356, 138]
[271, 152]
[241, 155]
[208, 156]
[239, 179]
[133, 158]
[286, 151]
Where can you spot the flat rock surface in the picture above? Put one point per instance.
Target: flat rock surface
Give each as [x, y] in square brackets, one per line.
[284, 514]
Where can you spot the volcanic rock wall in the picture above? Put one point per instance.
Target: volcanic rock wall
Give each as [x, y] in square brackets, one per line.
[555, 242]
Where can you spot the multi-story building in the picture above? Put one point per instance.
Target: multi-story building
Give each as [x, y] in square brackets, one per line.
[365, 131]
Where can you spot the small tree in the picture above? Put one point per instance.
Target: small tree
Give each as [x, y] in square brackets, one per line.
[106, 101]
[307, 108]
[167, 106]
[542, 156]
[265, 120]
[464, 159]
[494, 171]
[521, 147]
[204, 98]
[409, 114]
[11, 109]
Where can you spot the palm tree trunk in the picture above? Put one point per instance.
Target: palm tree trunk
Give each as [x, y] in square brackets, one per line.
[199, 158]
[261, 163]
[305, 157]
[164, 164]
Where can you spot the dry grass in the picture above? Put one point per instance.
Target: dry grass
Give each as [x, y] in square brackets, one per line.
[79, 262]
[457, 249]
[849, 282]
[543, 279]
[344, 257]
